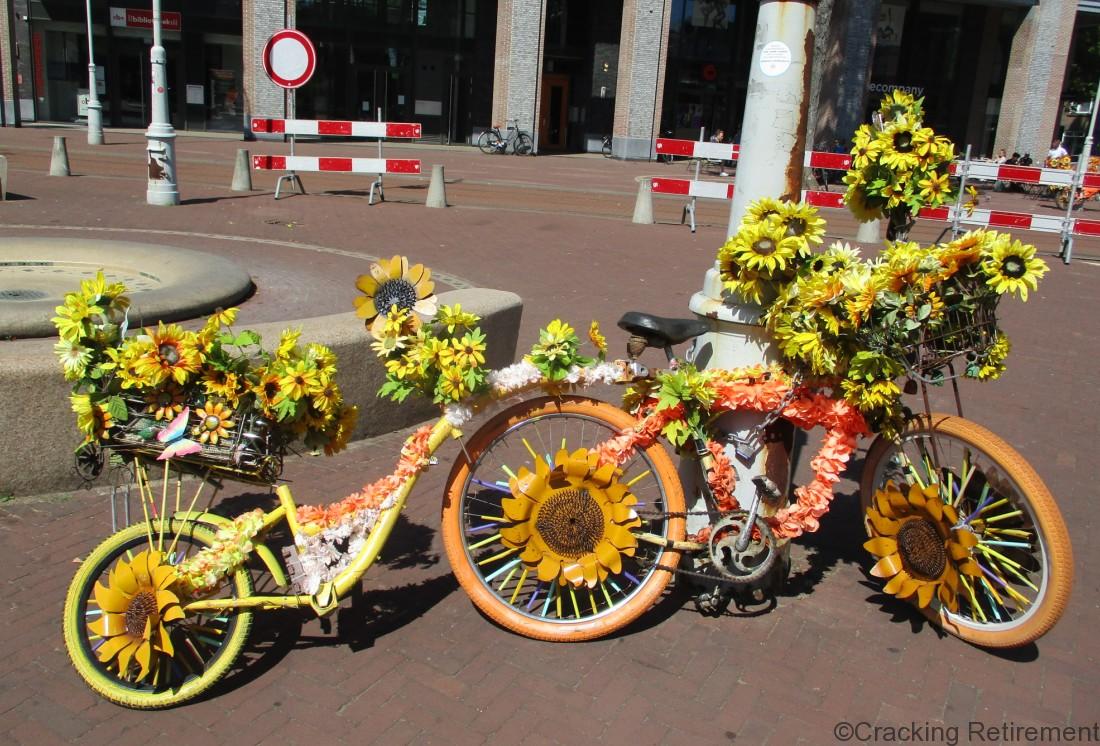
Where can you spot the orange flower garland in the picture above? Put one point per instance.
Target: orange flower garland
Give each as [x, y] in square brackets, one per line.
[758, 390]
[414, 459]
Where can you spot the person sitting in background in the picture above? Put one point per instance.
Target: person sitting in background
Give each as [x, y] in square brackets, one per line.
[1025, 160]
[1056, 151]
[719, 136]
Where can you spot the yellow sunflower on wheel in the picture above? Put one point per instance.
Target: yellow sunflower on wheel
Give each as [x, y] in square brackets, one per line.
[134, 607]
[921, 545]
[572, 521]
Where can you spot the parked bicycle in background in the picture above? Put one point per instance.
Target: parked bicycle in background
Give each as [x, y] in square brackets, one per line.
[492, 141]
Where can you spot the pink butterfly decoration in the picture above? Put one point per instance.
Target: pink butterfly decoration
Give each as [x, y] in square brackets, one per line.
[172, 436]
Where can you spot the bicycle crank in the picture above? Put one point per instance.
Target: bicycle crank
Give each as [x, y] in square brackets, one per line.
[743, 554]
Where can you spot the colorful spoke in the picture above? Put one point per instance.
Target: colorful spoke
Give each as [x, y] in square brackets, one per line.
[639, 478]
[493, 575]
[519, 586]
[495, 557]
[483, 542]
[491, 486]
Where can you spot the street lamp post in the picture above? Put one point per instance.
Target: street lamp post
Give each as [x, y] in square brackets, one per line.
[95, 109]
[161, 148]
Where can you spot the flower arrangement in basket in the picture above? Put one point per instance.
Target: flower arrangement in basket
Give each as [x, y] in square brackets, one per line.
[898, 166]
[211, 398]
[863, 324]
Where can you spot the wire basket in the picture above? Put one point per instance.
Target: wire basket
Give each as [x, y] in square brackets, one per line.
[252, 452]
[961, 333]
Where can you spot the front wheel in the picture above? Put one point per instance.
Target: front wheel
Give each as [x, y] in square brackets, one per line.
[523, 145]
[124, 629]
[1020, 584]
[489, 142]
[545, 541]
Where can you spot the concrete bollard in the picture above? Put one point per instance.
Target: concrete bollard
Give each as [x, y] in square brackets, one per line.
[643, 205]
[437, 192]
[869, 233]
[242, 172]
[59, 160]
[3, 178]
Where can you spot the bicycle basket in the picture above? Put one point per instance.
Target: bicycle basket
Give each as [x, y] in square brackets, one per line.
[252, 451]
[961, 333]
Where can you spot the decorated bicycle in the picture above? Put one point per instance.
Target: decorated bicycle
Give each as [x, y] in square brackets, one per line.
[564, 517]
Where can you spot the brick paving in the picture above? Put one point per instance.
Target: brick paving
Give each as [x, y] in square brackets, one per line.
[410, 659]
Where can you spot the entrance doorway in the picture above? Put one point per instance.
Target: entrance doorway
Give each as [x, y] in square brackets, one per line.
[554, 112]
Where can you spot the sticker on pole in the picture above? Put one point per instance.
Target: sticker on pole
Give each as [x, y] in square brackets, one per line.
[289, 58]
[775, 58]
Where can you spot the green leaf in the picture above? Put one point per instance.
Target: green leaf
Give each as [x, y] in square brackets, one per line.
[116, 407]
[245, 338]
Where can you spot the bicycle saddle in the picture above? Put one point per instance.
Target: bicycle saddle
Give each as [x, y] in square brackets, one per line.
[658, 331]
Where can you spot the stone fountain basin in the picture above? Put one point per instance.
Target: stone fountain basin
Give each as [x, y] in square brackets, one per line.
[163, 282]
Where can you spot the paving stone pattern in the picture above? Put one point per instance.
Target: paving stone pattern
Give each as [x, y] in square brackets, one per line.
[410, 660]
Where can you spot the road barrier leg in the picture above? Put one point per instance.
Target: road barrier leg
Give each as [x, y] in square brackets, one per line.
[437, 192]
[59, 159]
[643, 205]
[292, 178]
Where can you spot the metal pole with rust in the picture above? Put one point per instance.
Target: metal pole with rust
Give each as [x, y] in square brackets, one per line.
[773, 142]
[161, 148]
[773, 130]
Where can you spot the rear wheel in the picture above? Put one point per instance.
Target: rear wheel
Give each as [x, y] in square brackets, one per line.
[564, 556]
[1022, 546]
[115, 604]
[489, 142]
[523, 145]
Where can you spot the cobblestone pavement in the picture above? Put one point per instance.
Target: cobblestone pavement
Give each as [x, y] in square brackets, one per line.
[410, 659]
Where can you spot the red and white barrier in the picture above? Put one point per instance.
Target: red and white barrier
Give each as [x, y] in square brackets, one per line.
[716, 151]
[693, 188]
[376, 166]
[1024, 174]
[340, 165]
[338, 128]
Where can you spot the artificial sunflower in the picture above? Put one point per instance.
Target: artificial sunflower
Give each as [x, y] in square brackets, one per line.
[897, 104]
[469, 352]
[934, 188]
[573, 521]
[453, 317]
[762, 210]
[165, 403]
[394, 283]
[169, 356]
[299, 379]
[221, 383]
[1012, 267]
[134, 607]
[92, 418]
[800, 221]
[214, 422]
[899, 146]
[268, 390]
[963, 251]
[922, 548]
[762, 247]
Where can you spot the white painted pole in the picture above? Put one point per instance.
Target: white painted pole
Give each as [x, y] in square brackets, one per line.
[95, 109]
[162, 189]
[773, 130]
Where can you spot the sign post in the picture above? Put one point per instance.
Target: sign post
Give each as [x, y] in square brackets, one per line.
[289, 60]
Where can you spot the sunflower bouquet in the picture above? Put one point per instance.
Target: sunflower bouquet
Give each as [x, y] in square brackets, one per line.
[440, 356]
[773, 241]
[213, 397]
[899, 166]
[912, 310]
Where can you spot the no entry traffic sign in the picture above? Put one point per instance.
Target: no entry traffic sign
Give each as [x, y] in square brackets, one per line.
[289, 58]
